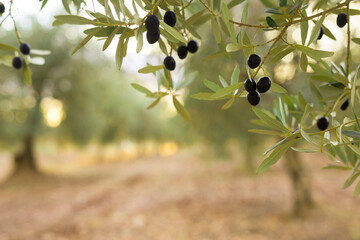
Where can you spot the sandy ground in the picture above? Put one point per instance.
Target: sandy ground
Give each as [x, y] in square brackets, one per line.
[174, 198]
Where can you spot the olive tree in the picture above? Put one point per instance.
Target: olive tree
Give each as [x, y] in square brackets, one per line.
[303, 123]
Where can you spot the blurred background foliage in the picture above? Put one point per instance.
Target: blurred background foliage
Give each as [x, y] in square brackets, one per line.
[83, 100]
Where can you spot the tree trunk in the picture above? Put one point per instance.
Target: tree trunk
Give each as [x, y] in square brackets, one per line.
[25, 160]
[303, 200]
[249, 154]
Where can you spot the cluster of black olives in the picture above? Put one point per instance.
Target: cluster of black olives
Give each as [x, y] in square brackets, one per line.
[182, 51]
[153, 34]
[254, 89]
[152, 24]
[18, 62]
[323, 122]
[341, 21]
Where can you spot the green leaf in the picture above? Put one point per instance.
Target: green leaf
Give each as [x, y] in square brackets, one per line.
[269, 3]
[110, 38]
[234, 3]
[314, 54]
[74, 20]
[315, 91]
[352, 134]
[66, 5]
[139, 38]
[304, 150]
[84, 41]
[228, 104]
[216, 30]
[272, 122]
[316, 30]
[27, 74]
[276, 50]
[162, 46]
[328, 33]
[357, 190]
[273, 11]
[227, 17]
[341, 78]
[356, 40]
[351, 180]
[105, 31]
[271, 22]
[295, 7]
[141, 88]
[282, 3]
[37, 60]
[275, 156]
[119, 55]
[265, 132]
[244, 20]
[235, 75]
[211, 85]
[223, 81]
[277, 88]
[233, 47]
[153, 104]
[173, 32]
[150, 69]
[194, 18]
[303, 62]
[322, 78]
[281, 55]
[40, 52]
[223, 92]
[213, 56]
[6, 47]
[337, 167]
[180, 109]
[302, 101]
[203, 96]
[43, 4]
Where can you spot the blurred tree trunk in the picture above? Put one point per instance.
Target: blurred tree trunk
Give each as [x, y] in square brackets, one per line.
[250, 150]
[25, 159]
[303, 200]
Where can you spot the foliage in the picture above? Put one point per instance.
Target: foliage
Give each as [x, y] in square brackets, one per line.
[90, 99]
[293, 118]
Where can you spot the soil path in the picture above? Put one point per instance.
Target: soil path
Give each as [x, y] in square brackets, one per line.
[175, 198]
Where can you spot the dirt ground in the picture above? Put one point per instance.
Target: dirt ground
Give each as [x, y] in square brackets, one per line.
[175, 198]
